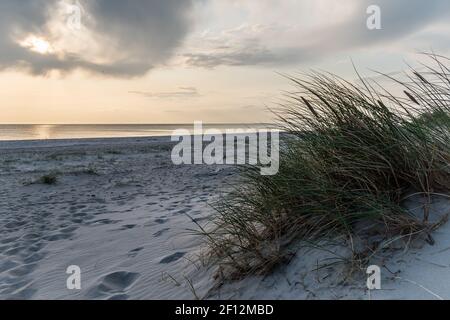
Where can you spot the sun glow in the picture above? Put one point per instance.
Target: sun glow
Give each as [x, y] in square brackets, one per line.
[37, 44]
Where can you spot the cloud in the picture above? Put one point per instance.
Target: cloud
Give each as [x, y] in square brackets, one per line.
[183, 92]
[289, 42]
[242, 56]
[118, 38]
[129, 38]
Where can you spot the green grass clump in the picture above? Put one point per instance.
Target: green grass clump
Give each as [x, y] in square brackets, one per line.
[349, 157]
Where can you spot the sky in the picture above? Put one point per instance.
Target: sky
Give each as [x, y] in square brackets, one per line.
[179, 61]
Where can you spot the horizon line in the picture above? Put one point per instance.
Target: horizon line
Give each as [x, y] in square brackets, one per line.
[143, 124]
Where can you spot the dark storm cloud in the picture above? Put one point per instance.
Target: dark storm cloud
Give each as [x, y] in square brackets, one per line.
[400, 19]
[17, 17]
[144, 28]
[137, 35]
[144, 33]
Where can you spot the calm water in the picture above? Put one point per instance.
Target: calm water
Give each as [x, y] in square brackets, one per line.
[43, 132]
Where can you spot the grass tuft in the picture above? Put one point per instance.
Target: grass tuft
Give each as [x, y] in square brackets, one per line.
[49, 179]
[349, 157]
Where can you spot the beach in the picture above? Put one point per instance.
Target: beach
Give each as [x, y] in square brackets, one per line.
[118, 211]
[224, 151]
[121, 211]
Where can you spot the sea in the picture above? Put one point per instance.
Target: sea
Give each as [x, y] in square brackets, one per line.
[12, 132]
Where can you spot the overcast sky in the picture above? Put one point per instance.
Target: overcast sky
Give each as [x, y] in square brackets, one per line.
[176, 61]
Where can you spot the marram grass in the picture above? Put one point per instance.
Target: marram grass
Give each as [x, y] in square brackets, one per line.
[350, 154]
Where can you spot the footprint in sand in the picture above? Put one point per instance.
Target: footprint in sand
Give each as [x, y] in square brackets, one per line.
[31, 236]
[7, 265]
[22, 270]
[181, 211]
[15, 224]
[133, 253]
[105, 221]
[22, 290]
[58, 236]
[114, 284]
[14, 250]
[160, 232]
[8, 240]
[34, 257]
[127, 227]
[173, 257]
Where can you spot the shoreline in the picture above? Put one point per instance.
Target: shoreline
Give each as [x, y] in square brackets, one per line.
[56, 143]
[16, 144]
[115, 131]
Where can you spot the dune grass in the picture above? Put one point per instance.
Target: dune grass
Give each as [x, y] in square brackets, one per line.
[49, 179]
[351, 154]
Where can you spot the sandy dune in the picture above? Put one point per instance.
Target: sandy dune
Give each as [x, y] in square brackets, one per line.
[119, 210]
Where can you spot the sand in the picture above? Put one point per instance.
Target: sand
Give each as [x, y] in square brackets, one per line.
[120, 210]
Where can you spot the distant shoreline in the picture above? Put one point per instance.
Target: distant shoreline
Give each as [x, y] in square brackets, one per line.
[75, 132]
[15, 145]
[58, 143]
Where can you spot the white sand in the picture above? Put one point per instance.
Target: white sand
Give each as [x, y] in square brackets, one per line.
[126, 228]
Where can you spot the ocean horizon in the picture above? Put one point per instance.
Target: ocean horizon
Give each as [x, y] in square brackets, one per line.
[12, 132]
